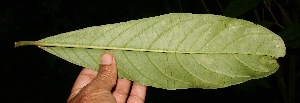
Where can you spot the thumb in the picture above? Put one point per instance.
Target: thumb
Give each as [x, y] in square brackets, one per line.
[99, 89]
[107, 73]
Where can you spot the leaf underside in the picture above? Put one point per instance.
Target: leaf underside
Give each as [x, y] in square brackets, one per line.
[175, 51]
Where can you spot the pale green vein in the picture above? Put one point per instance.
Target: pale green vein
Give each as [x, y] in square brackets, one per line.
[184, 68]
[162, 72]
[245, 63]
[260, 45]
[215, 33]
[200, 63]
[84, 35]
[68, 56]
[189, 33]
[203, 32]
[131, 63]
[78, 57]
[172, 34]
[164, 33]
[144, 29]
[91, 56]
[123, 32]
[110, 29]
[46, 44]
[234, 39]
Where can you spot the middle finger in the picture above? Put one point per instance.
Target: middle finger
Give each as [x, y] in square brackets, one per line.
[122, 90]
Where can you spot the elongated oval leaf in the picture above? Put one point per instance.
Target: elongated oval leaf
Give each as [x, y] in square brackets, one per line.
[175, 51]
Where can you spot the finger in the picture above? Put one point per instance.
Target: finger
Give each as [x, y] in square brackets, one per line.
[99, 89]
[107, 74]
[85, 77]
[122, 90]
[137, 94]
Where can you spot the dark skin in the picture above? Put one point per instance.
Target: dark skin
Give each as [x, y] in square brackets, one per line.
[105, 86]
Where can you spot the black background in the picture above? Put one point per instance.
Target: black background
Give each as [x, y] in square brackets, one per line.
[31, 75]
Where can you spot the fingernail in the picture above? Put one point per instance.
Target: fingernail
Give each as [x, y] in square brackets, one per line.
[106, 59]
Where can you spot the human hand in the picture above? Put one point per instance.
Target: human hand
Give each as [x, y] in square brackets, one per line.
[105, 86]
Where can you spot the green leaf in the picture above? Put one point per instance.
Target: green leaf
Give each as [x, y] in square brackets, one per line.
[175, 51]
[239, 7]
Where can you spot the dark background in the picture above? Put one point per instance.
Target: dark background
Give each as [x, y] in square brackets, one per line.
[31, 75]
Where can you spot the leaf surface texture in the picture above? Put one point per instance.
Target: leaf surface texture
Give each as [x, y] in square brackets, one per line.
[176, 51]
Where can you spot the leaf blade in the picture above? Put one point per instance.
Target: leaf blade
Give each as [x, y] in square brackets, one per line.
[175, 51]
